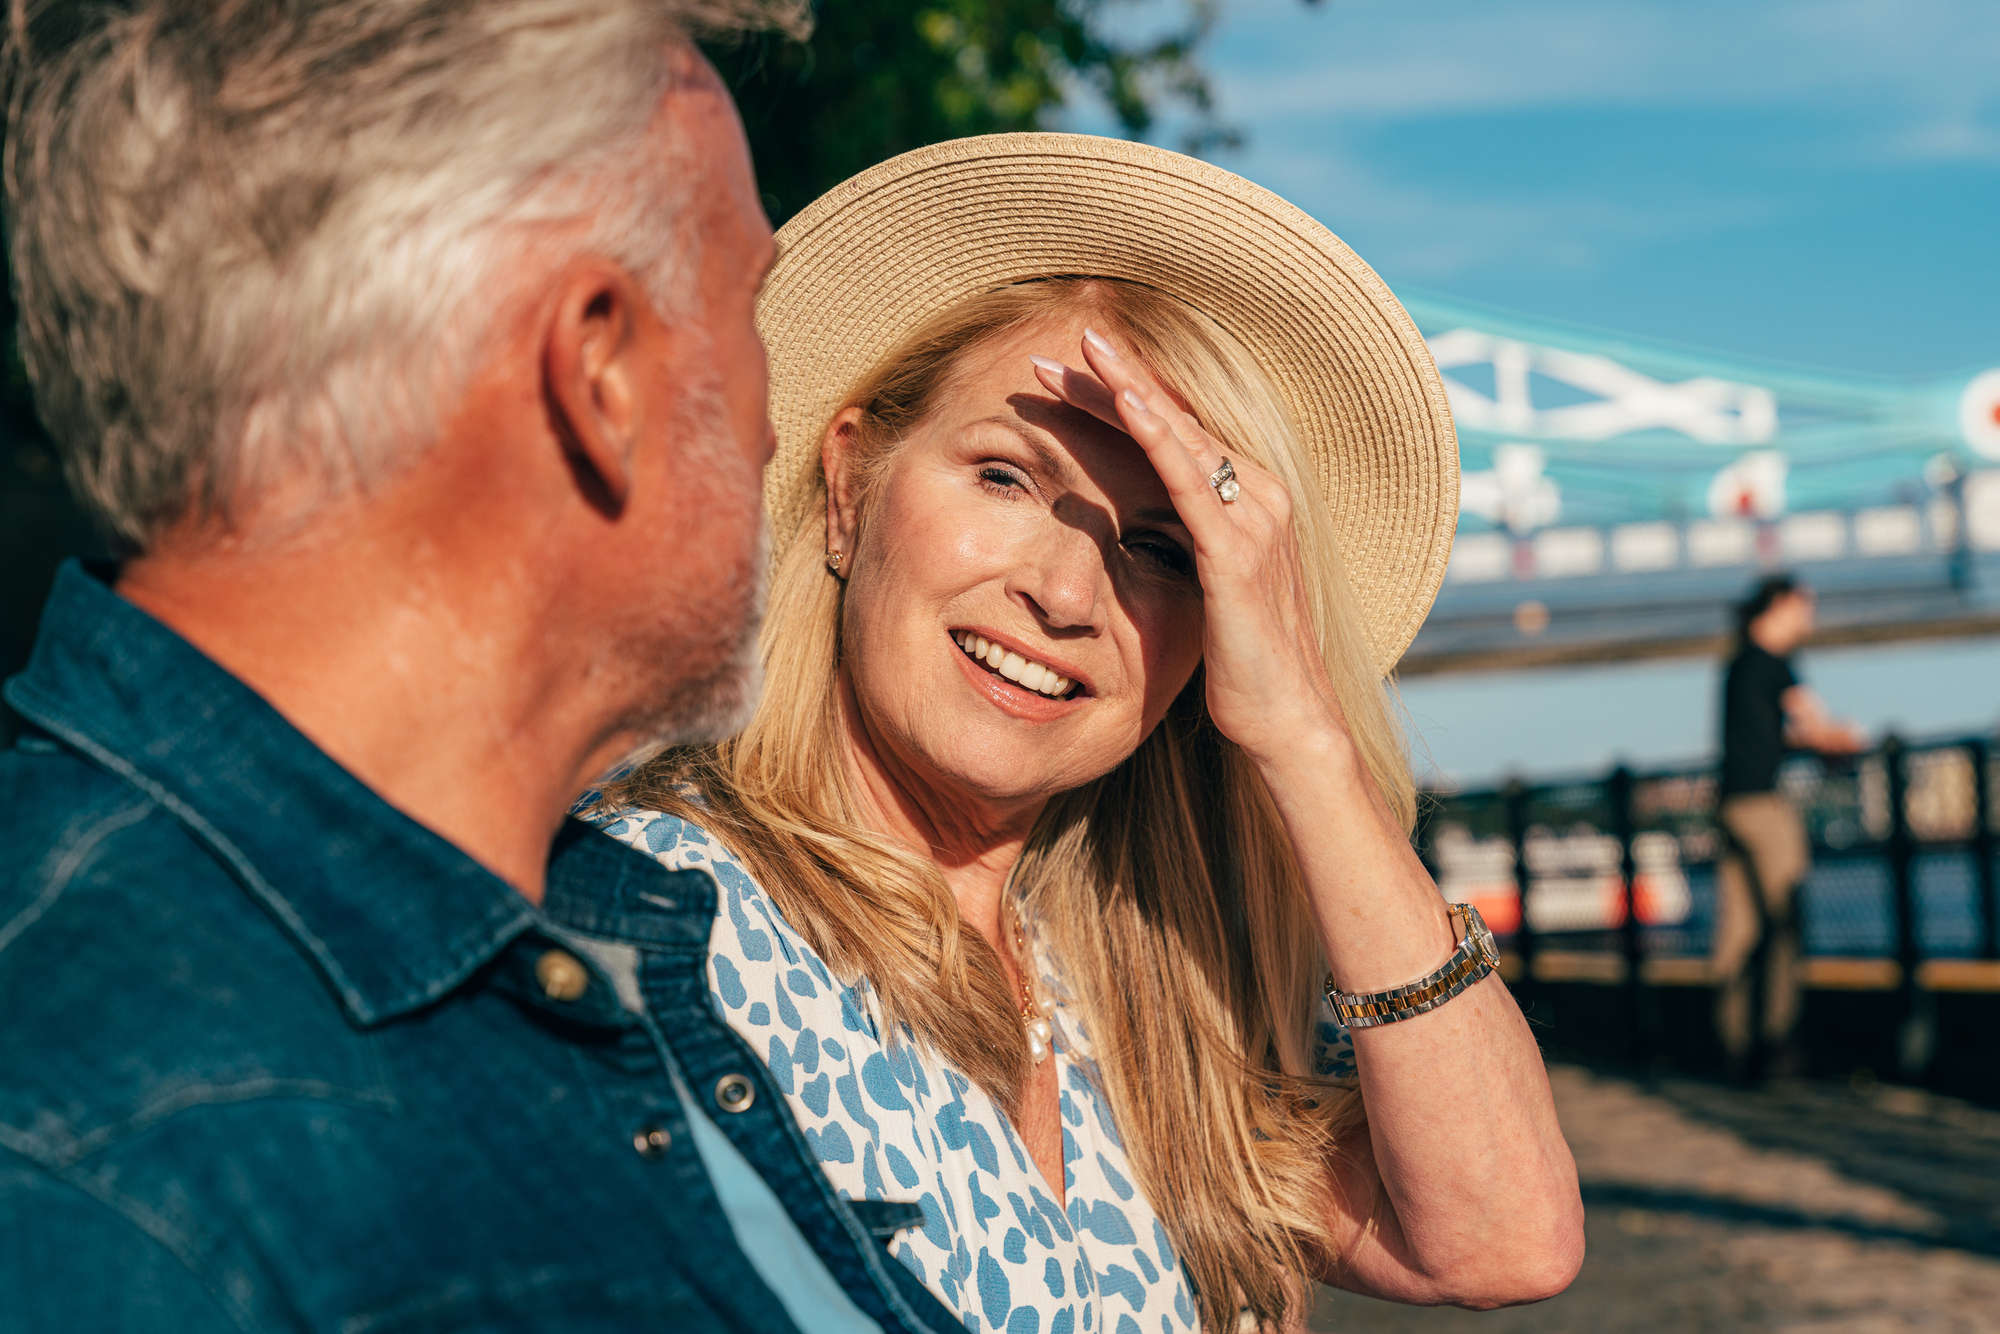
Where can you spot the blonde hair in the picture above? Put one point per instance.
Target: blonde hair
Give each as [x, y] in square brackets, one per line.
[1166, 890]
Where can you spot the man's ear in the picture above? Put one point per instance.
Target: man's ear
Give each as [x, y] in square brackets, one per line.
[843, 504]
[591, 380]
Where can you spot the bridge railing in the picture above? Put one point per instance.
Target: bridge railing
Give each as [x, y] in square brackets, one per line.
[1613, 878]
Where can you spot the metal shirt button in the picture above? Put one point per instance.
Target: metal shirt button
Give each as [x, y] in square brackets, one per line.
[734, 1093]
[562, 976]
[651, 1140]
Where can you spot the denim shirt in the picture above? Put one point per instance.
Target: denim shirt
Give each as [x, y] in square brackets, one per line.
[274, 1056]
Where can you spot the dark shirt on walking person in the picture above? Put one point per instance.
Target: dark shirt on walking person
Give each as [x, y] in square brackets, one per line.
[1753, 719]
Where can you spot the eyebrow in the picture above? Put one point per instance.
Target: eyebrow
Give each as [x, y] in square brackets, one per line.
[1166, 515]
[1050, 460]
[1058, 466]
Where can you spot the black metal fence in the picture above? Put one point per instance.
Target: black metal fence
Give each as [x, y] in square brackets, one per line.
[1619, 871]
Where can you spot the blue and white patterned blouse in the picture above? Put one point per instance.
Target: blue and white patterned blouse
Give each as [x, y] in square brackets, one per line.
[896, 1121]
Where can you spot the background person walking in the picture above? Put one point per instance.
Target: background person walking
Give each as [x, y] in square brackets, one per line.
[1755, 955]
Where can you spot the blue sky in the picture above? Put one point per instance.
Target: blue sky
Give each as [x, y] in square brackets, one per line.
[1812, 181]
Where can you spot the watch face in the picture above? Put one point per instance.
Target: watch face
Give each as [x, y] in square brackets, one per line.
[1476, 928]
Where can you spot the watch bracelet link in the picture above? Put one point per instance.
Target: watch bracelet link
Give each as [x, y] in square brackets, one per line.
[1474, 958]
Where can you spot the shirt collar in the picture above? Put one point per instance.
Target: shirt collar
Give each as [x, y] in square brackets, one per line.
[601, 888]
[393, 914]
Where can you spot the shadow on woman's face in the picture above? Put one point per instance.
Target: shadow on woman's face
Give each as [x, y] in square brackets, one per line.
[1014, 519]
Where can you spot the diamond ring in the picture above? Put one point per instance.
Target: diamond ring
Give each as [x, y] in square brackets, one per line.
[1223, 479]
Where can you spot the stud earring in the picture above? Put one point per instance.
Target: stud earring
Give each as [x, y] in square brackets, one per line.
[833, 559]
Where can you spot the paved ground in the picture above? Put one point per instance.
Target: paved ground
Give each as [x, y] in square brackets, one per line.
[1807, 1208]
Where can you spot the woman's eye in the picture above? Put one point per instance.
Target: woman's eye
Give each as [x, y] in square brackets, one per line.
[1002, 479]
[1162, 552]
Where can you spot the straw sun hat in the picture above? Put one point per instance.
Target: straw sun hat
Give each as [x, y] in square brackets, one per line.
[881, 253]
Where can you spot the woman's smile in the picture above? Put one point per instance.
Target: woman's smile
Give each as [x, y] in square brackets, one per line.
[1014, 664]
[1011, 694]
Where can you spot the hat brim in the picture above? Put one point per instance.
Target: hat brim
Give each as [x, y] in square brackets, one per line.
[886, 250]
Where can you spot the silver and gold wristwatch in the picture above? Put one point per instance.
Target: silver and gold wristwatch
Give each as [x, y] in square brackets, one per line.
[1476, 956]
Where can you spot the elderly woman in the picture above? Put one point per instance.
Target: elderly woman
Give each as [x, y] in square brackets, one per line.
[1063, 877]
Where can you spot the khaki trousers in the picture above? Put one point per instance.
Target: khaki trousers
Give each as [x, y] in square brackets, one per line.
[1765, 858]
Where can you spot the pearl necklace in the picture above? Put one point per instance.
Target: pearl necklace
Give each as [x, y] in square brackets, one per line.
[1035, 1011]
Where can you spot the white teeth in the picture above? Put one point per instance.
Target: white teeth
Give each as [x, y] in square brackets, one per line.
[1015, 667]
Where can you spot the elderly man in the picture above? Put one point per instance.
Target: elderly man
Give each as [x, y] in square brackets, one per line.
[408, 349]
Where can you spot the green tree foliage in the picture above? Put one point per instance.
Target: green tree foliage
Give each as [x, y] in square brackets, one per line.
[880, 77]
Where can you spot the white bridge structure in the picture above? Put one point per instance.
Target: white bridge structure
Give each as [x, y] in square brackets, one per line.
[1617, 494]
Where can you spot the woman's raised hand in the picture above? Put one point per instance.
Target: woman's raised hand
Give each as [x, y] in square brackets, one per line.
[1268, 688]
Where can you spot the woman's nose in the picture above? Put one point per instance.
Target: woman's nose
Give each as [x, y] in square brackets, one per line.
[1062, 580]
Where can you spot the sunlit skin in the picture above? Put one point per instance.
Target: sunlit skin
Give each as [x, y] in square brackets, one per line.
[1057, 501]
[1034, 524]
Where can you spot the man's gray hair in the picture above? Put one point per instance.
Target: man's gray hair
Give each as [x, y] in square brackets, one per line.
[257, 241]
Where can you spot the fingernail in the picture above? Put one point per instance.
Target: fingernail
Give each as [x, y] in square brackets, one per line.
[1098, 341]
[1049, 364]
[1132, 400]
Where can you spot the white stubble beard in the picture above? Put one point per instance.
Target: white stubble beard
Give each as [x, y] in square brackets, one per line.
[721, 703]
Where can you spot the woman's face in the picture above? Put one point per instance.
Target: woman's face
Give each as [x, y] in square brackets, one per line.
[1012, 518]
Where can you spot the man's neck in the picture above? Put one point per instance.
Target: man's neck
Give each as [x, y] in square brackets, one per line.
[439, 691]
